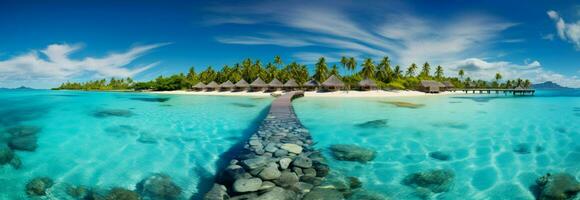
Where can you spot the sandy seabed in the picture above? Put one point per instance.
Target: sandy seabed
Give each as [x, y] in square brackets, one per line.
[374, 93]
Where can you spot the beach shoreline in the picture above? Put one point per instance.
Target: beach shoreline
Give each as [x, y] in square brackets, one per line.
[346, 94]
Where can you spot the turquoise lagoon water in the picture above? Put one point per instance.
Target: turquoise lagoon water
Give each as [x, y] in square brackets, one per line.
[481, 134]
[106, 140]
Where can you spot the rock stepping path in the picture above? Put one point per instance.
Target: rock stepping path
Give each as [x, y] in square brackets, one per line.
[278, 161]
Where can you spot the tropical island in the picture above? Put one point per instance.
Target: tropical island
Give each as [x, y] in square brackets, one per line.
[252, 75]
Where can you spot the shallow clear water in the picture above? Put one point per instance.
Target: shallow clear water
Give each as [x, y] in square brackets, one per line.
[117, 139]
[480, 133]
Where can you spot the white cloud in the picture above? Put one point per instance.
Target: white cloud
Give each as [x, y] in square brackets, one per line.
[53, 65]
[404, 37]
[566, 31]
[482, 69]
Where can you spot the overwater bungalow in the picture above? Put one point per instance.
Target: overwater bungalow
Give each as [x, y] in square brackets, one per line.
[275, 85]
[449, 86]
[198, 87]
[258, 85]
[332, 84]
[311, 85]
[429, 86]
[367, 84]
[212, 86]
[226, 86]
[241, 85]
[290, 85]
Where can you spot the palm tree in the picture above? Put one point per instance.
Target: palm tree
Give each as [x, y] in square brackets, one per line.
[411, 70]
[439, 72]
[368, 69]
[497, 77]
[320, 70]
[351, 64]
[425, 71]
[461, 73]
[277, 61]
[384, 72]
[334, 71]
[397, 73]
[191, 76]
[344, 62]
[527, 83]
[272, 72]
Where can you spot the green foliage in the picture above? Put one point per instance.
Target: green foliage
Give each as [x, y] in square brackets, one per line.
[321, 70]
[112, 84]
[368, 69]
[249, 70]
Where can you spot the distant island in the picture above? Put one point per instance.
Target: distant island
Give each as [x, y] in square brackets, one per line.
[549, 85]
[18, 88]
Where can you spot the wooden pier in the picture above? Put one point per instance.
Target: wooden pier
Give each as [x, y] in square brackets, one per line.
[516, 91]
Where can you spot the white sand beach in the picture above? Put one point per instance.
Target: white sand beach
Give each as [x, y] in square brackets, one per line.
[352, 93]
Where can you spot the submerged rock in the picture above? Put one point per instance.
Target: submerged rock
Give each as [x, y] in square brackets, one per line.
[254, 163]
[6, 154]
[158, 186]
[77, 192]
[349, 152]
[122, 130]
[522, 148]
[379, 123]
[16, 162]
[247, 184]
[217, 192]
[403, 104]
[112, 113]
[38, 186]
[122, 194]
[277, 193]
[270, 173]
[149, 99]
[560, 186]
[302, 162]
[287, 179]
[322, 193]
[292, 148]
[440, 155]
[244, 105]
[436, 181]
[24, 143]
[20, 131]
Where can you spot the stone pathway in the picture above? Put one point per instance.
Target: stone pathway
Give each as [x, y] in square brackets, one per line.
[278, 161]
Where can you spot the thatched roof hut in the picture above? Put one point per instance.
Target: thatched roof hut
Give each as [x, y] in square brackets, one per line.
[367, 84]
[290, 85]
[227, 85]
[212, 86]
[199, 86]
[448, 85]
[311, 85]
[430, 86]
[241, 85]
[275, 85]
[333, 83]
[258, 84]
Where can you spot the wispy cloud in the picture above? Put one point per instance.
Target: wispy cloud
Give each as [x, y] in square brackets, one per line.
[566, 31]
[406, 38]
[53, 64]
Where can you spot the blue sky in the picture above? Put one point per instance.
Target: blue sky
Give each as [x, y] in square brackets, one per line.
[44, 43]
